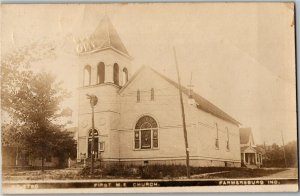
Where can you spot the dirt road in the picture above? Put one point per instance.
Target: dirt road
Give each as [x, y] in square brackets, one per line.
[289, 173]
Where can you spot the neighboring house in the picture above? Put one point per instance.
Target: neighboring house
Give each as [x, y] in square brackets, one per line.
[14, 157]
[138, 117]
[251, 155]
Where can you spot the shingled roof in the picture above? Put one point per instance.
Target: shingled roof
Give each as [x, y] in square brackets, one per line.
[105, 36]
[202, 103]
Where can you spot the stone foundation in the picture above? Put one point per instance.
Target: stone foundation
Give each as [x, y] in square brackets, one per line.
[193, 162]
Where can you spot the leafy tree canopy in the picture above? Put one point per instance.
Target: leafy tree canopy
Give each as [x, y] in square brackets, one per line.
[32, 102]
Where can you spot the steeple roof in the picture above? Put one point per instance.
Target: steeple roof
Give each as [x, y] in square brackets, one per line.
[105, 36]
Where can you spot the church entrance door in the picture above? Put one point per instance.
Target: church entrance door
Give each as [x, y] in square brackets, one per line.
[96, 141]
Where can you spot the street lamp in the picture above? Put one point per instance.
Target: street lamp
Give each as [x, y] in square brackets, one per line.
[93, 101]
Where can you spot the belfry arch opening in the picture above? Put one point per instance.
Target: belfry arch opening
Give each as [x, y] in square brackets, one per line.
[87, 75]
[116, 74]
[100, 73]
[125, 75]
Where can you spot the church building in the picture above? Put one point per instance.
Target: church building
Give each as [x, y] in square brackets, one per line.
[138, 116]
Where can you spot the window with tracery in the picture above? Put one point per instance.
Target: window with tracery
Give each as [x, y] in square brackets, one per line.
[146, 133]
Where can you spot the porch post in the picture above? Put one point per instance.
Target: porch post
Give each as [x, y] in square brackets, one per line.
[255, 155]
[245, 158]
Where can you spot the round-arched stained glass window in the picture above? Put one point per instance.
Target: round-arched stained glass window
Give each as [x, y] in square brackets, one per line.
[146, 133]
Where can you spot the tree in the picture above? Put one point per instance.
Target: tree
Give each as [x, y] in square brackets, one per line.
[32, 102]
[291, 154]
[274, 157]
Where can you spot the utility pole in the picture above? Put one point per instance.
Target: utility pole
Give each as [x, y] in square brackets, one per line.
[183, 120]
[93, 101]
[283, 149]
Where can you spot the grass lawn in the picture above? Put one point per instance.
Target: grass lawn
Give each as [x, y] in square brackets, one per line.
[134, 172]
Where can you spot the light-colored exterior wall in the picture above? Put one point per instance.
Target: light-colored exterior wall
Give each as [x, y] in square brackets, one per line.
[109, 57]
[107, 110]
[165, 108]
[118, 111]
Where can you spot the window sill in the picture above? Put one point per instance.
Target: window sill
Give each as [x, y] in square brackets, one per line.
[146, 149]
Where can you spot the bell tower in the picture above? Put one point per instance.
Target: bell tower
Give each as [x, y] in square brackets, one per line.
[104, 67]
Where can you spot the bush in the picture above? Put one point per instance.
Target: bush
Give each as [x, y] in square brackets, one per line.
[149, 171]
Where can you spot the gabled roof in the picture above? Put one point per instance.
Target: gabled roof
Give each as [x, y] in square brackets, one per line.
[245, 148]
[245, 134]
[105, 36]
[202, 103]
[256, 149]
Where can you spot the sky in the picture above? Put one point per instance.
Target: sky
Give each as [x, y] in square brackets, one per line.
[241, 55]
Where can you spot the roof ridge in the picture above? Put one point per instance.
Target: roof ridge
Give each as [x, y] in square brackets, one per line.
[105, 36]
[131, 79]
[185, 91]
[108, 33]
[215, 111]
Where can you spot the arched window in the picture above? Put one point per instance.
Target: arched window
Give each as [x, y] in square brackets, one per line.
[116, 74]
[125, 75]
[146, 133]
[87, 75]
[138, 96]
[100, 73]
[227, 143]
[217, 137]
[152, 94]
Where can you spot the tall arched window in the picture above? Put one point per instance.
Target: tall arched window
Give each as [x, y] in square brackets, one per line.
[100, 73]
[146, 133]
[138, 96]
[87, 75]
[152, 94]
[125, 75]
[227, 143]
[116, 74]
[217, 137]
